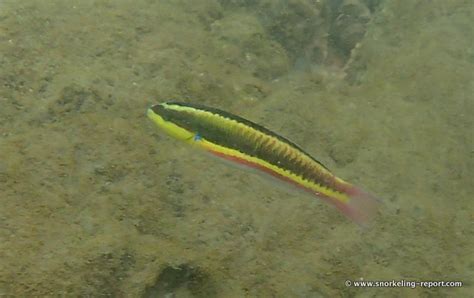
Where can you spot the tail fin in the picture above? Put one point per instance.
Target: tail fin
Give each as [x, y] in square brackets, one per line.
[361, 207]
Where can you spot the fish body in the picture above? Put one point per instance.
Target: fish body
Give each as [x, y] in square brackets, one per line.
[239, 140]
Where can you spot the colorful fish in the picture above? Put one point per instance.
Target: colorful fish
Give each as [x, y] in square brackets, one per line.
[241, 141]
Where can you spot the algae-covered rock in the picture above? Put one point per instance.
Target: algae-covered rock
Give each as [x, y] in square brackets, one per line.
[349, 25]
[311, 32]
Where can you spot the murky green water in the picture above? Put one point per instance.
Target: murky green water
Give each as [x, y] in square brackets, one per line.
[96, 201]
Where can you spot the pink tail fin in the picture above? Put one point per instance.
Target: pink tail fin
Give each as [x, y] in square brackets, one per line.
[361, 207]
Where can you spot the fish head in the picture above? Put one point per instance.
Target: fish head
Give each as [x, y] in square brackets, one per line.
[169, 121]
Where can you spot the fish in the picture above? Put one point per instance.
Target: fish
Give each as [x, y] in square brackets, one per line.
[244, 142]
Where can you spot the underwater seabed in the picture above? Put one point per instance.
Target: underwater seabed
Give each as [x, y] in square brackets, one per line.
[95, 201]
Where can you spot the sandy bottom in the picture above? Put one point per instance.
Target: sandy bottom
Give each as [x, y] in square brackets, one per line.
[96, 201]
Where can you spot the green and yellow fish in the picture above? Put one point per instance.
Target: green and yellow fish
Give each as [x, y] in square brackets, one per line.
[241, 141]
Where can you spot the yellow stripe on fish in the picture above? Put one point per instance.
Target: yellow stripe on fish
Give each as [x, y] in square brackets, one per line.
[239, 140]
